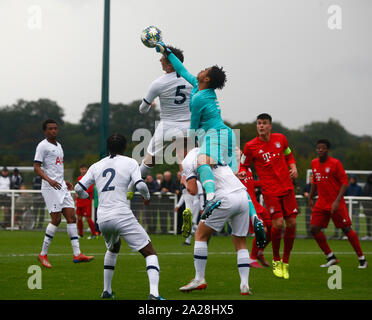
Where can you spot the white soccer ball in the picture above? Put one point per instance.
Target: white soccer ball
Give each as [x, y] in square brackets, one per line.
[150, 36]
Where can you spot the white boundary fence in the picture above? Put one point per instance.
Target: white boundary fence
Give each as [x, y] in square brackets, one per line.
[161, 205]
[163, 202]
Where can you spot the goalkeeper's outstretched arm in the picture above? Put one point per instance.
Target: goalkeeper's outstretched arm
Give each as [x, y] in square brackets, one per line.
[177, 64]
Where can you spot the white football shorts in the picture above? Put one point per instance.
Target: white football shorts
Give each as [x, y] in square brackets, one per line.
[165, 133]
[127, 228]
[234, 209]
[56, 200]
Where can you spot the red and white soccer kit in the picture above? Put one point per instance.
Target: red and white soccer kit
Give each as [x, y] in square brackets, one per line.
[271, 160]
[84, 206]
[328, 177]
[261, 211]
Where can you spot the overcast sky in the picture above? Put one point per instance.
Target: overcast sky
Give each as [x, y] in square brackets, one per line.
[280, 56]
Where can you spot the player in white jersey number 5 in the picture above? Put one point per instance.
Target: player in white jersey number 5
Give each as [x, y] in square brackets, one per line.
[112, 175]
[55, 191]
[174, 96]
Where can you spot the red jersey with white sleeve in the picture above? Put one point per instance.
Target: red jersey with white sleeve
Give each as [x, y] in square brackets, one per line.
[88, 201]
[271, 160]
[328, 177]
[250, 184]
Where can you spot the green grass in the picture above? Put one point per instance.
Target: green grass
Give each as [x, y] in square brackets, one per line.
[66, 280]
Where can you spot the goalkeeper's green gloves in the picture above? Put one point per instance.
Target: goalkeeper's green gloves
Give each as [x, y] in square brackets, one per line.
[162, 48]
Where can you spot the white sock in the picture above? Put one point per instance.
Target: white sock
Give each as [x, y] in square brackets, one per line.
[330, 255]
[73, 234]
[108, 270]
[153, 269]
[210, 196]
[188, 239]
[200, 259]
[49, 234]
[145, 169]
[243, 266]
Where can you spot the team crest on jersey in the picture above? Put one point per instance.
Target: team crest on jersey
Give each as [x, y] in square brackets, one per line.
[260, 151]
[278, 145]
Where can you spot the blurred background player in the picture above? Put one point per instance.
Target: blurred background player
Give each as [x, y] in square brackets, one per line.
[55, 191]
[5, 200]
[174, 96]
[112, 176]
[262, 213]
[236, 208]
[194, 203]
[330, 180]
[271, 156]
[216, 140]
[84, 208]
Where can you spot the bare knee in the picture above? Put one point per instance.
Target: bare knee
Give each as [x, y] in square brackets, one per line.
[278, 223]
[148, 250]
[55, 219]
[314, 230]
[116, 247]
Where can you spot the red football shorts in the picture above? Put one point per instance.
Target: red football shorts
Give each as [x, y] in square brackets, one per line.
[340, 218]
[85, 211]
[281, 206]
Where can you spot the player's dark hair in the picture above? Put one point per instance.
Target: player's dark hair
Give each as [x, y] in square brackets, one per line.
[324, 141]
[217, 77]
[264, 116]
[116, 144]
[46, 122]
[177, 52]
[83, 166]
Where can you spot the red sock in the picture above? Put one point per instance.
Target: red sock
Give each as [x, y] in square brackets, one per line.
[254, 250]
[91, 226]
[268, 235]
[321, 239]
[353, 238]
[289, 237]
[276, 237]
[80, 227]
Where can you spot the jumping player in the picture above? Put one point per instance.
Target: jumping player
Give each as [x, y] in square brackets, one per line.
[271, 157]
[330, 180]
[174, 96]
[236, 208]
[55, 192]
[112, 176]
[216, 140]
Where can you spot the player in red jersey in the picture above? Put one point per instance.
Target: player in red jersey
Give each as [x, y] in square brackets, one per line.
[84, 207]
[272, 157]
[331, 181]
[262, 213]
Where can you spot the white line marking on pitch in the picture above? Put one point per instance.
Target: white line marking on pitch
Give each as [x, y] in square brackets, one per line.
[168, 253]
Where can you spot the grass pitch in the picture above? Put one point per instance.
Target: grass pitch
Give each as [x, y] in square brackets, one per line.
[66, 280]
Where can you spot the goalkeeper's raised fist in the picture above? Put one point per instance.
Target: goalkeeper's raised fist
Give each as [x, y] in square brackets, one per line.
[162, 48]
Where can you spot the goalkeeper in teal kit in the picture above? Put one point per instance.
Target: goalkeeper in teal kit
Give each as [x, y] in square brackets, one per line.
[217, 141]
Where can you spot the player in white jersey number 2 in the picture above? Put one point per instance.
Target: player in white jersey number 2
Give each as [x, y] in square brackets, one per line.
[112, 175]
[55, 191]
[236, 208]
[174, 96]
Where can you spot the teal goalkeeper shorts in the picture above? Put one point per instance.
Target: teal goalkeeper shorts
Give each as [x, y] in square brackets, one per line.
[220, 144]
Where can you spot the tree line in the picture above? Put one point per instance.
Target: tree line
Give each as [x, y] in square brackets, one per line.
[20, 132]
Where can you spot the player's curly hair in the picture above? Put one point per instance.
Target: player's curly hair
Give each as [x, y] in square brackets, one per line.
[324, 141]
[217, 77]
[116, 144]
[177, 52]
